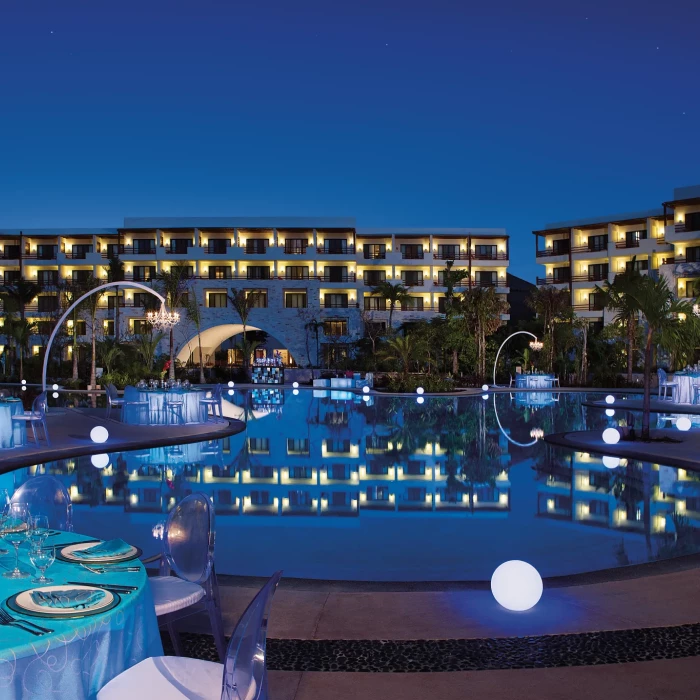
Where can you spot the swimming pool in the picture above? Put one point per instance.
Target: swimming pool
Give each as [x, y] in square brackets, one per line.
[333, 485]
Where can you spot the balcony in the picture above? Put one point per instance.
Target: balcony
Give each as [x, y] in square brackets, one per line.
[348, 277]
[411, 256]
[375, 256]
[457, 256]
[599, 248]
[489, 256]
[588, 307]
[348, 250]
[553, 280]
[178, 249]
[412, 283]
[628, 244]
[590, 277]
[295, 250]
[117, 249]
[372, 282]
[42, 256]
[550, 252]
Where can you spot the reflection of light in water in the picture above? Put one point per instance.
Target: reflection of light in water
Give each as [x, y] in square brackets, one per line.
[611, 462]
[158, 530]
[610, 412]
[537, 433]
[508, 437]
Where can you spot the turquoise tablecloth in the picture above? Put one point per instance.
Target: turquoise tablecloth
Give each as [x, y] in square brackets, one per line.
[81, 655]
[157, 414]
[12, 433]
[534, 381]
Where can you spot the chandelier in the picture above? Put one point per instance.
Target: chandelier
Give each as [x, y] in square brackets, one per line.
[536, 345]
[163, 319]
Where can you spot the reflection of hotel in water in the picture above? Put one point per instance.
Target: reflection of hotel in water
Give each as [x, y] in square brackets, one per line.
[581, 489]
[335, 465]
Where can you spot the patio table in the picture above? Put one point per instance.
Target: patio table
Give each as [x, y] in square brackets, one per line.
[686, 383]
[157, 414]
[534, 381]
[12, 433]
[81, 655]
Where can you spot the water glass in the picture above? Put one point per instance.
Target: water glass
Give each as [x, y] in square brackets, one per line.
[15, 531]
[42, 558]
[38, 529]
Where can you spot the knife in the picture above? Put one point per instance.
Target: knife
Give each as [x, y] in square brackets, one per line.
[108, 586]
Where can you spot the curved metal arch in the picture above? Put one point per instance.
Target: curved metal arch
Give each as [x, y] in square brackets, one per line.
[101, 287]
[505, 434]
[512, 335]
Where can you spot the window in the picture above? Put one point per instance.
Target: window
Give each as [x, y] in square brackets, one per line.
[11, 276]
[258, 272]
[187, 272]
[295, 300]
[692, 254]
[45, 327]
[142, 299]
[338, 472]
[114, 250]
[144, 273]
[335, 273]
[442, 305]
[335, 246]
[374, 277]
[112, 301]
[598, 242]
[224, 498]
[598, 272]
[296, 272]
[374, 328]
[561, 246]
[377, 493]
[46, 252]
[561, 274]
[256, 246]
[299, 498]
[412, 278]
[596, 301]
[336, 301]
[141, 326]
[260, 498]
[374, 251]
[375, 304]
[217, 246]
[80, 251]
[259, 446]
[412, 251]
[692, 221]
[599, 480]
[295, 246]
[300, 472]
[415, 467]
[335, 327]
[108, 326]
[598, 508]
[447, 251]
[79, 327]
[297, 446]
[145, 246]
[415, 494]
[637, 265]
[412, 304]
[180, 245]
[485, 279]
[216, 300]
[485, 252]
[632, 238]
[219, 272]
[11, 252]
[259, 298]
[47, 278]
[80, 276]
[464, 281]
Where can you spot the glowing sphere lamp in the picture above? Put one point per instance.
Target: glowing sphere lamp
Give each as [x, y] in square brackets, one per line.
[55, 387]
[231, 385]
[365, 390]
[516, 585]
[485, 397]
[611, 436]
[683, 423]
[99, 434]
[420, 390]
[609, 399]
[484, 387]
[24, 381]
[55, 394]
[295, 385]
[365, 398]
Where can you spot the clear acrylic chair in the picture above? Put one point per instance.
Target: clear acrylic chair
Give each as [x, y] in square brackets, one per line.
[37, 416]
[47, 496]
[188, 552]
[665, 385]
[113, 400]
[132, 399]
[215, 401]
[242, 676]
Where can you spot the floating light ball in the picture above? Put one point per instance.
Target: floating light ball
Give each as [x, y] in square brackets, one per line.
[420, 390]
[610, 412]
[611, 462]
[100, 461]
[516, 585]
[683, 423]
[24, 381]
[99, 434]
[609, 399]
[611, 436]
[295, 391]
[55, 394]
[420, 399]
[484, 387]
[365, 390]
[295, 385]
[231, 385]
[55, 387]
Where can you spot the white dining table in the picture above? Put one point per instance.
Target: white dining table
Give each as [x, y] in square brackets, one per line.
[12, 433]
[686, 386]
[534, 381]
[158, 415]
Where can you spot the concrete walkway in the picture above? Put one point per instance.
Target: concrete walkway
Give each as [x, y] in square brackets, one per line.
[69, 432]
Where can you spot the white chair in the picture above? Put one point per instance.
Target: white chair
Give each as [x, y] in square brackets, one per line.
[696, 392]
[665, 385]
[555, 381]
[512, 381]
[188, 551]
[131, 399]
[46, 495]
[113, 400]
[37, 416]
[243, 675]
[174, 409]
[215, 401]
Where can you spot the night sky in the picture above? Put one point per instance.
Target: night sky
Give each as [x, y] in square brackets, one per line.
[405, 113]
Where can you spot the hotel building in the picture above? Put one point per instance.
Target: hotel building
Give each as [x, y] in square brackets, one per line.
[303, 270]
[581, 255]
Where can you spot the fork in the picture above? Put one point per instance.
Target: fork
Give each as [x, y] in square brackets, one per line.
[109, 569]
[7, 619]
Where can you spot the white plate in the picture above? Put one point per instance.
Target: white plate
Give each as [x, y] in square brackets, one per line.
[67, 552]
[24, 600]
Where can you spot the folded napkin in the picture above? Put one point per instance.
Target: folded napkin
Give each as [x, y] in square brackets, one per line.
[111, 548]
[76, 598]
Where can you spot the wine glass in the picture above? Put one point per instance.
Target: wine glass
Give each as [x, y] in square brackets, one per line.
[42, 558]
[15, 531]
[38, 529]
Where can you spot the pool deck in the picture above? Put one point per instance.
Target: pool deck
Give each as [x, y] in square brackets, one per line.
[69, 432]
[656, 406]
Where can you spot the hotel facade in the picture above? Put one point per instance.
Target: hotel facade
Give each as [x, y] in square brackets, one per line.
[581, 255]
[307, 273]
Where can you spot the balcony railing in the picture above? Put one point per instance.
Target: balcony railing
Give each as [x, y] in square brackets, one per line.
[553, 280]
[42, 256]
[489, 256]
[349, 250]
[596, 248]
[339, 305]
[349, 277]
[588, 307]
[457, 256]
[178, 250]
[412, 256]
[295, 250]
[372, 282]
[412, 283]
[464, 282]
[129, 250]
[628, 244]
[550, 252]
[375, 256]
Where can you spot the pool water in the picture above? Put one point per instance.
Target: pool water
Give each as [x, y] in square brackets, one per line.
[334, 485]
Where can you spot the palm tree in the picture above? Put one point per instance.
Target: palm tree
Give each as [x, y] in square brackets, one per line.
[662, 312]
[92, 305]
[314, 326]
[71, 294]
[581, 325]
[173, 285]
[481, 310]
[624, 306]
[20, 293]
[194, 315]
[451, 278]
[115, 273]
[21, 331]
[550, 304]
[146, 345]
[393, 293]
[402, 349]
[243, 303]
[109, 352]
